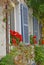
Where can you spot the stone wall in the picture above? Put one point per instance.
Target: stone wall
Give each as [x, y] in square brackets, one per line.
[2, 35]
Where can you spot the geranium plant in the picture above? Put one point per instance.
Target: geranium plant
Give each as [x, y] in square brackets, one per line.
[15, 37]
[33, 39]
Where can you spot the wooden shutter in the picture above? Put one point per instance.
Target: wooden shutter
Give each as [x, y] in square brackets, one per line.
[24, 22]
[35, 27]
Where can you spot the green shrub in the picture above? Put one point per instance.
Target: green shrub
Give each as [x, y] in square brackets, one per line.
[39, 55]
[7, 60]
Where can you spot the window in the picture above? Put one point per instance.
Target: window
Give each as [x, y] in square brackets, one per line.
[24, 22]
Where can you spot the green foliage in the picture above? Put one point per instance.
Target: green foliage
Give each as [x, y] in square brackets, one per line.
[39, 55]
[37, 6]
[31, 39]
[4, 20]
[7, 60]
[23, 50]
[28, 2]
[41, 8]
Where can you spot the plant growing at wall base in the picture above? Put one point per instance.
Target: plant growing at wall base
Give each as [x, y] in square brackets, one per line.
[33, 39]
[39, 55]
[7, 60]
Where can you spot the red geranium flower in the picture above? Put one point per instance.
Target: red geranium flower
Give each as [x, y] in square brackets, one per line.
[16, 34]
[20, 37]
[11, 32]
[34, 36]
[42, 41]
[14, 42]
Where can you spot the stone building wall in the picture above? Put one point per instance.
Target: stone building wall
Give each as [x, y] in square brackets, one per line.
[2, 35]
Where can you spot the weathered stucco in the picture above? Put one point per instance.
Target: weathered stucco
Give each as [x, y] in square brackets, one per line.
[2, 35]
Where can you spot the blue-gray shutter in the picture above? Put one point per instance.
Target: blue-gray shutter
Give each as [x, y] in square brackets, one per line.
[35, 27]
[24, 22]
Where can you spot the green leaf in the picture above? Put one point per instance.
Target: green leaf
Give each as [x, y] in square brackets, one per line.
[4, 19]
